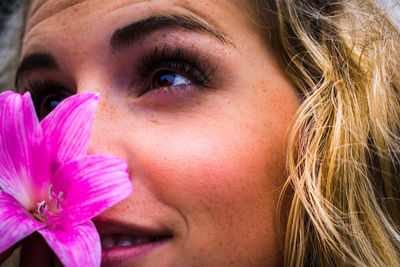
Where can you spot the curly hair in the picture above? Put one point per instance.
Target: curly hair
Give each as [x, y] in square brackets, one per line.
[343, 157]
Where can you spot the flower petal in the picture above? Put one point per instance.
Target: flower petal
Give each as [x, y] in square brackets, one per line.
[15, 223]
[76, 246]
[68, 127]
[22, 171]
[91, 185]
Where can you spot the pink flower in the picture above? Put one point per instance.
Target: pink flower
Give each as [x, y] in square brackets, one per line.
[50, 184]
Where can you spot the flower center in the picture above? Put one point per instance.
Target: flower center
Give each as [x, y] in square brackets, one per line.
[50, 211]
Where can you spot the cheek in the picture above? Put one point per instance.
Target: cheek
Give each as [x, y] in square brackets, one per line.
[209, 164]
[223, 180]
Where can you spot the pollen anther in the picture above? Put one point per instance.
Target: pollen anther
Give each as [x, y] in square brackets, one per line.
[51, 193]
[41, 208]
[51, 210]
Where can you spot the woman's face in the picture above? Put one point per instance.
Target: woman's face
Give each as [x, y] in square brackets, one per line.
[194, 101]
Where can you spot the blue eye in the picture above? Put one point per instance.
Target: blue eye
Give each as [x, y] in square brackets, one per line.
[49, 103]
[46, 96]
[53, 103]
[168, 78]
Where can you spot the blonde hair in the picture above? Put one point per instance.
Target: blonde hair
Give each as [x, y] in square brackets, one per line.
[343, 155]
[344, 145]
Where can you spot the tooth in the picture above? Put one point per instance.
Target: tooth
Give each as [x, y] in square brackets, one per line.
[125, 241]
[107, 242]
[142, 240]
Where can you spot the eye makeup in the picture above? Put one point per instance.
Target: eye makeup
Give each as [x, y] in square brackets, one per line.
[170, 73]
[184, 64]
[46, 95]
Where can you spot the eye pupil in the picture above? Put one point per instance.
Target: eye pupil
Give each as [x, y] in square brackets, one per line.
[54, 103]
[167, 78]
[48, 105]
[164, 79]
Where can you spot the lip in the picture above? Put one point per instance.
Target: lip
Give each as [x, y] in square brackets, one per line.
[120, 256]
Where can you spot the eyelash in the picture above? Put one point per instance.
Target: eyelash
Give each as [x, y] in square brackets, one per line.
[46, 89]
[185, 63]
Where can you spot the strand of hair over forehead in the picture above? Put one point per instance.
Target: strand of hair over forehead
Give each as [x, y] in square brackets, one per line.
[344, 147]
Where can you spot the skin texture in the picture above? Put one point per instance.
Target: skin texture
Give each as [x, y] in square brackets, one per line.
[207, 162]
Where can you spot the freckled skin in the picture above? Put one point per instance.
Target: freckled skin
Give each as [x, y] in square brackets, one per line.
[208, 166]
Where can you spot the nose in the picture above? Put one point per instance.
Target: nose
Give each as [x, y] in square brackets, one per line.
[106, 131]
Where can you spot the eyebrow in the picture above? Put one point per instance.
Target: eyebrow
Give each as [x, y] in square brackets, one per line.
[35, 61]
[125, 37]
[135, 32]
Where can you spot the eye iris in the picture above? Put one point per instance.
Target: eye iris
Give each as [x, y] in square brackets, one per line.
[168, 78]
[53, 103]
[49, 104]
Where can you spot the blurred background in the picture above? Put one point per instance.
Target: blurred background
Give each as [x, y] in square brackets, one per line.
[6, 9]
[11, 21]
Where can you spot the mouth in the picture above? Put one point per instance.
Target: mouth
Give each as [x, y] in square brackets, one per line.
[124, 240]
[124, 244]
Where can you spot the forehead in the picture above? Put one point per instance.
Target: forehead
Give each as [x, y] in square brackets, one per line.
[60, 4]
[40, 10]
[51, 20]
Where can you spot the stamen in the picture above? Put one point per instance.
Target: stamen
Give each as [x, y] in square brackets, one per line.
[59, 199]
[49, 218]
[61, 196]
[41, 208]
[49, 212]
[51, 193]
